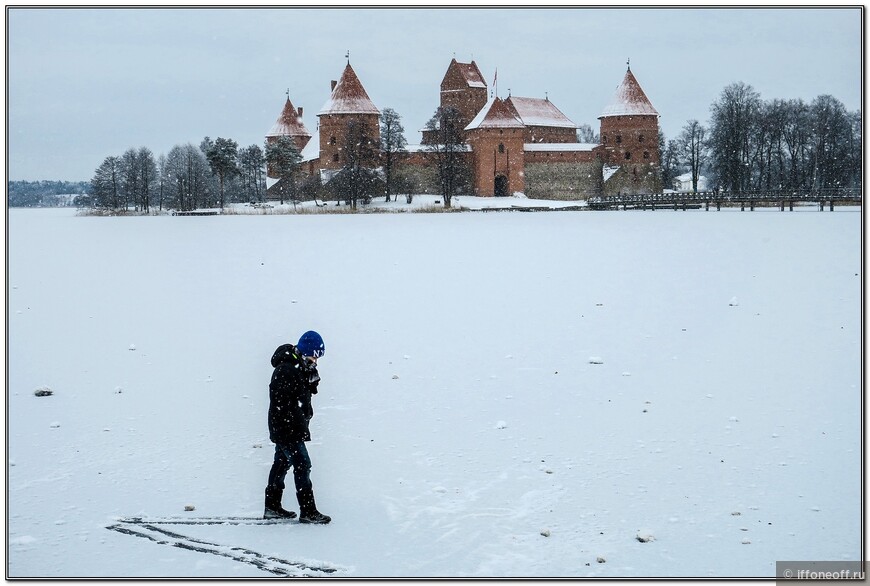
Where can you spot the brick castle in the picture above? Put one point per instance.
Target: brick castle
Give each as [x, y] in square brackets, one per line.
[514, 145]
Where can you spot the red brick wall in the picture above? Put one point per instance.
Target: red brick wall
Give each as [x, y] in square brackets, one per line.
[333, 131]
[630, 140]
[550, 134]
[490, 161]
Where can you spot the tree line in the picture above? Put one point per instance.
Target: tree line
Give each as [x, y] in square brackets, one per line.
[45, 193]
[187, 178]
[751, 144]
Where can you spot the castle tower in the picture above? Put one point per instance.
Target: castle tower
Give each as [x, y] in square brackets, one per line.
[464, 89]
[290, 124]
[348, 102]
[630, 139]
[496, 137]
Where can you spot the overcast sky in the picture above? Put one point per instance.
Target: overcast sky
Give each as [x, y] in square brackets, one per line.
[84, 84]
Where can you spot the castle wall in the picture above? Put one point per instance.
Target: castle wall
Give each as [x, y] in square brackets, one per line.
[563, 180]
[634, 180]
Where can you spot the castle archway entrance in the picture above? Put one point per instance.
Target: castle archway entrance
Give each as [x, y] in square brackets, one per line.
[501, 186]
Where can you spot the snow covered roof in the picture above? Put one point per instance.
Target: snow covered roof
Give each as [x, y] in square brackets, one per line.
[289, 123]
[629, 100]
[471, 73]
[538, 112]
[311, 150]
[609, 170]
[555, 147]
[495, 114]
[348, 97]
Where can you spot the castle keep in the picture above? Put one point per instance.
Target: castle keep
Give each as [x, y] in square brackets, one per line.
[514, 145]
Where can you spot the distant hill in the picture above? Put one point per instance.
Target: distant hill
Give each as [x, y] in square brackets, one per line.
[45, 193]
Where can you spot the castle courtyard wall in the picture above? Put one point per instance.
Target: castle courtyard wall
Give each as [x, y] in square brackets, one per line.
[563, 180]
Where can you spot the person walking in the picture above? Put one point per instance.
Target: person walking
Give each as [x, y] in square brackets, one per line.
[294, 381]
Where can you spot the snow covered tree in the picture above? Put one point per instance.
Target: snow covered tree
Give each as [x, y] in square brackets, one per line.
[221, 155]
[393, 146]
[448, 151]
[692, 148]
[283, 158]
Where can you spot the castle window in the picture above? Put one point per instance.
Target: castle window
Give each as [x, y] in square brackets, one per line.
[332, 140]
[627, 155]
[646, 154]
[618, 139]
[640, 138]
[603, 139]
[501, 147]
[335, 157]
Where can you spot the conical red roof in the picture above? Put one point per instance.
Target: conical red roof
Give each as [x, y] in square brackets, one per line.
[348, 97]
[629, 100]
[289, 123]
[495, 114]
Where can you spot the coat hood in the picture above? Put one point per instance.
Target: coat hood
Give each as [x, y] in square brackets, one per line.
[285, 353]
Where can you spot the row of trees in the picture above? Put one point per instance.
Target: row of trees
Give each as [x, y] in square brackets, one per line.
[752, 144]
[186, 178]
[45, 193]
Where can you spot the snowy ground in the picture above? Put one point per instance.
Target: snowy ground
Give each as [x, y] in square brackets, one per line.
[504, 395]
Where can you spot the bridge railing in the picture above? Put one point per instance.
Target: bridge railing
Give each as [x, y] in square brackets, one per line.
[753, 198]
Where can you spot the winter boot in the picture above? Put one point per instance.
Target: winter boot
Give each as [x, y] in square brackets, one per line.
[273, 508]
[308, 512]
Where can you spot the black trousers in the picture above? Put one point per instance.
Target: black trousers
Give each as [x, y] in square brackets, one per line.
[287, 455]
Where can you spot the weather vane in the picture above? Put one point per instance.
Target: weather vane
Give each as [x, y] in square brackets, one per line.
[347, 56]
[628, 62]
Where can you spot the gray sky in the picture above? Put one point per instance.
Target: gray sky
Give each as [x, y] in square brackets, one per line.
[84, 84]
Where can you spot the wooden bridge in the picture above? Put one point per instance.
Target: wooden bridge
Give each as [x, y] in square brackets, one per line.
[747, 199]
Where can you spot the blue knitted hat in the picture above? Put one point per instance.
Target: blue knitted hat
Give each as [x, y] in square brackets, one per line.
[311, 344]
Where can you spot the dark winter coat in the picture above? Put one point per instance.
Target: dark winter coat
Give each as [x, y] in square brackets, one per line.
[294, 380]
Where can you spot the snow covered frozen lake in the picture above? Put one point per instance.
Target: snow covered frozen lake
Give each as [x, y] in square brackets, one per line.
[568, 394]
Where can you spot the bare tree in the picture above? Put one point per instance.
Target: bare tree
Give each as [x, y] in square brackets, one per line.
[357, 179]
[733, 117]
[448, 150]
[692, 147]
[393, 146]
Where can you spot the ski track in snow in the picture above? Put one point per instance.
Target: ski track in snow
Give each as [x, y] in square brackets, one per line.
[149, 529]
